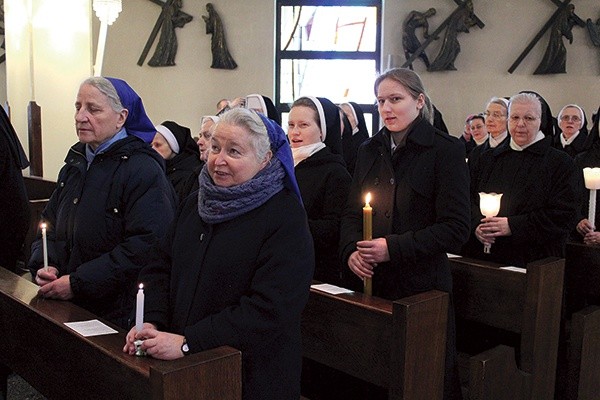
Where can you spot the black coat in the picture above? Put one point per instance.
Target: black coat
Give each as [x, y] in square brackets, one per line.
[324, 185]
[539, 187]
[420, 205]
[181, 169]
[14, 205]
[241, 283]
[102, 221]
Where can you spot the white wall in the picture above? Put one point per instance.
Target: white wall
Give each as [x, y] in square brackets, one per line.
[185, 92]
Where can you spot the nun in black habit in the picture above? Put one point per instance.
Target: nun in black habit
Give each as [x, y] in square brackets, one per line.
[357, 135]
[315, 138]
[538, 183]
[585, 232]
[183, 162]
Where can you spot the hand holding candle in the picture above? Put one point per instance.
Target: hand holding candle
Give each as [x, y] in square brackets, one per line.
[367, 235]
[591, 177]
[489, 203]
[44, 245]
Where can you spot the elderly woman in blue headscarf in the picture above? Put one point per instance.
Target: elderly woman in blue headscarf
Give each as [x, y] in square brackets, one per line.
[236, 265]
[111, 205]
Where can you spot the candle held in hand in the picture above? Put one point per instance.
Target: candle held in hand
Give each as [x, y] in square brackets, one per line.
[139, 309]
[367, 235]
[591, 176]
[45, 245]
[489, 203]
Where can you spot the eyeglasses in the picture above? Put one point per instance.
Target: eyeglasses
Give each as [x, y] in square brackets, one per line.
[528, 119]
[495, 114]
[568, 118]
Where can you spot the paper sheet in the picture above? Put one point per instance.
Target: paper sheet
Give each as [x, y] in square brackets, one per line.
[90, 328]
[326, 287]
[516, 269]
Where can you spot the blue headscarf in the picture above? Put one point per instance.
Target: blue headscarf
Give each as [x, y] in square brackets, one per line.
[137, 122]
[282, 151]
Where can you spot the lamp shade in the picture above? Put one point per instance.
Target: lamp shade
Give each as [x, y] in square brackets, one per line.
[489, 203]
[107, 11]
[592, 178]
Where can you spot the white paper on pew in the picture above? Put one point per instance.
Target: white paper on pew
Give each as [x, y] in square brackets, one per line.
[331, 289]
[516, 269]
[450, 255]
[92, 327]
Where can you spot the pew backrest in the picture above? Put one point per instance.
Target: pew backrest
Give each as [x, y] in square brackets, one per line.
[526, 303]
[399, 345]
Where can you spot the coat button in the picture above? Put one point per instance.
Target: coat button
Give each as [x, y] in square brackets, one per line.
[201, 236]
[62, 184]
[392, 181]
[116, 210]
[388, 214]
[376, 181]
[75, 200]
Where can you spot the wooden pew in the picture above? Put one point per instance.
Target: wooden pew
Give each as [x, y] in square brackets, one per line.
[398, 345]
[579, 370]
[524, 306]
[61, 364]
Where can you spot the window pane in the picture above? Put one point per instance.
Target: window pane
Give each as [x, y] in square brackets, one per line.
[338, 80]
[328, 28]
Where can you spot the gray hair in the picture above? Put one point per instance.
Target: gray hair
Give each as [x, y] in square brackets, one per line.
[250, 121]
[526, 98]
[412, 83]
[106, 87]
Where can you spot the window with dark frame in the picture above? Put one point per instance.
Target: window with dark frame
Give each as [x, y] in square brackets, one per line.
[328, 48]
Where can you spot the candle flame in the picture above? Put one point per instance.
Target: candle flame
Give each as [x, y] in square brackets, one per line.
[43, 225]
[368, 198]
[141, 286]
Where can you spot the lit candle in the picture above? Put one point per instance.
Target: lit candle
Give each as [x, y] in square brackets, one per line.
[45, 245]
[139, 309]
[592, 182]
[367, 235]
[489, 203]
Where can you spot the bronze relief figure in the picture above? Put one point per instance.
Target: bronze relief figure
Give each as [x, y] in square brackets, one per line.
[221, 57]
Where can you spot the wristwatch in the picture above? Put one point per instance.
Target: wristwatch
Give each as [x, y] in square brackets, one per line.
[185, 349]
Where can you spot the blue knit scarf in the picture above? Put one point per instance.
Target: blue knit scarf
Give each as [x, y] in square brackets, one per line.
[219, 204]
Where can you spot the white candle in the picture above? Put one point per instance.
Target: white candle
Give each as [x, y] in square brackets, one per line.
[489, 203]
[139, 309]
[45, 245]
[591, 177]
[592, 209]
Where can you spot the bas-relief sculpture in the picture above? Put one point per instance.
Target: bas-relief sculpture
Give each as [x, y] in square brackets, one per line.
[555, 57]
[166, 49]
[220, 54]
[410, 41]
[594, 31]
[461, 19]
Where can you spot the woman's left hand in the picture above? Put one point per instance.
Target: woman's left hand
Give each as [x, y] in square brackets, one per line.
[373, 251]
[57, 289]
[592, 238]
[161, 345]
[495, 226]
